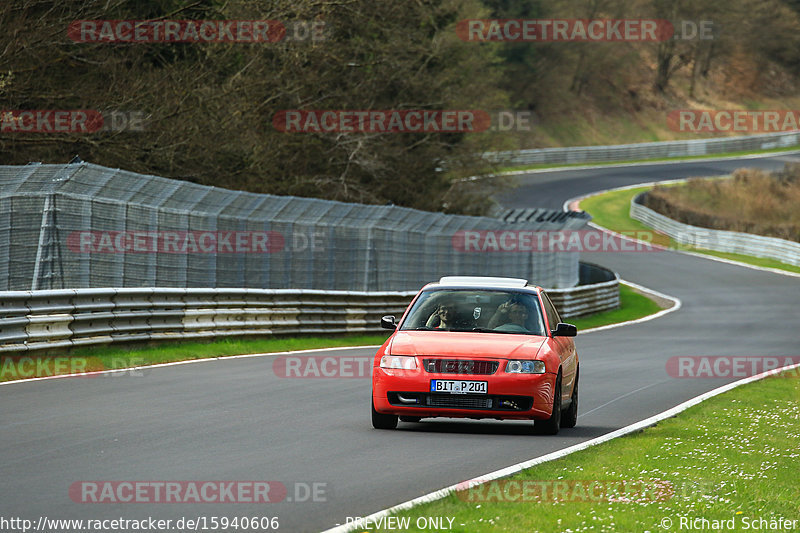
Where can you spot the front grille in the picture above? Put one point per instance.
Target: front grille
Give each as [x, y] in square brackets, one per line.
[460, 366]
[462, 402]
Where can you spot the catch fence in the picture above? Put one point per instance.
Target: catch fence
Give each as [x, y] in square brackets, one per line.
[87, 226]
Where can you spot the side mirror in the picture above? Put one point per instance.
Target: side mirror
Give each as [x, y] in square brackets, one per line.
[387, 322]
[565, 330]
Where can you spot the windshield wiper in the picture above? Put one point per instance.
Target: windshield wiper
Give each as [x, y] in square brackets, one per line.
[489, 330]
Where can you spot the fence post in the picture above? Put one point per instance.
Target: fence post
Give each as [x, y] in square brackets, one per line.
[40, 247]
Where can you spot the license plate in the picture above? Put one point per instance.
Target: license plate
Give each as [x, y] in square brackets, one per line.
[456, 386]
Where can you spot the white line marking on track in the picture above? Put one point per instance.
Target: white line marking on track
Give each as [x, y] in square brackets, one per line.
[676, 304]
[625, 395]
[176, 363]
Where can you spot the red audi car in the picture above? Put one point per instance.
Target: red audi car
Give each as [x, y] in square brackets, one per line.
[478, 347]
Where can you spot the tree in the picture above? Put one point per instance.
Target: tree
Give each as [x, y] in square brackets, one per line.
[210, 106]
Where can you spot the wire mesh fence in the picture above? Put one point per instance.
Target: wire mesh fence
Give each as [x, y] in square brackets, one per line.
[83, 225]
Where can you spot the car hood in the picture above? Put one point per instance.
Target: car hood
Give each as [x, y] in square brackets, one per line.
[465, 344]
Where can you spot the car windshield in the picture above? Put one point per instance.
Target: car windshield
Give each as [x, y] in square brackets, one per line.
[482, 310]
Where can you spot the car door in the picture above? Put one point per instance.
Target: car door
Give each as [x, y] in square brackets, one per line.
[564, 346]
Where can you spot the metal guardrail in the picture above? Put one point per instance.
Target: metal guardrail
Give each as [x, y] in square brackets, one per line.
[719, 240]
[31, 320]
[64, 318]
[586, 299]
[654, 150]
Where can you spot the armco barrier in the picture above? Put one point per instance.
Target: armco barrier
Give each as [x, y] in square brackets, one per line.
[584, 300]
[34, 320]
[639, 151]
[718, 240]
[31, 320]
[598, 291]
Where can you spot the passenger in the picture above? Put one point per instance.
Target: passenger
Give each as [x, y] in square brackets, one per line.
[511, 316]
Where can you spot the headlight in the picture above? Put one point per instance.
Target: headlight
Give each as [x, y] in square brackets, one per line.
[401, 362]
[525, 367]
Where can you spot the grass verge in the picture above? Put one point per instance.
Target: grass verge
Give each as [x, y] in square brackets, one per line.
[633, 305]
[96, 358]
[540, 166]
[611, 210]
[733, 458]
[751, 200]
[13, 367]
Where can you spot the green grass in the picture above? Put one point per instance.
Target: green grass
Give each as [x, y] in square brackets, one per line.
[734, 457]
[633, 305]
[539, 166]
[126, 356]
[757, 261]
[612, 210]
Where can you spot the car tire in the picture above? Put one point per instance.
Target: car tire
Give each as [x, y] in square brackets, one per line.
[410, 418]
[569, 418]
[551, 425]
[382, 421]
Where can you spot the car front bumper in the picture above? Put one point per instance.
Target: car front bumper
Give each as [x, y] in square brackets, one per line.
[509, 396]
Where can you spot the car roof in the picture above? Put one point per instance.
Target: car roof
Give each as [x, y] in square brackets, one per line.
[487, 282]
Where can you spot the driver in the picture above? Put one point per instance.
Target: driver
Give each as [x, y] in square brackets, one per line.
[443, 317]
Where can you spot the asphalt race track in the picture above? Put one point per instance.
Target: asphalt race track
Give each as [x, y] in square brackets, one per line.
[235, 420]
[552, 188]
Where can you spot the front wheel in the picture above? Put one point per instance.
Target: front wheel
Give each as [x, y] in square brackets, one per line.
[551, 425]
[569, 418]
[382, 421]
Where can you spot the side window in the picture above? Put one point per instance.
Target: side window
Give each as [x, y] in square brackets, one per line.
[552, 315]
